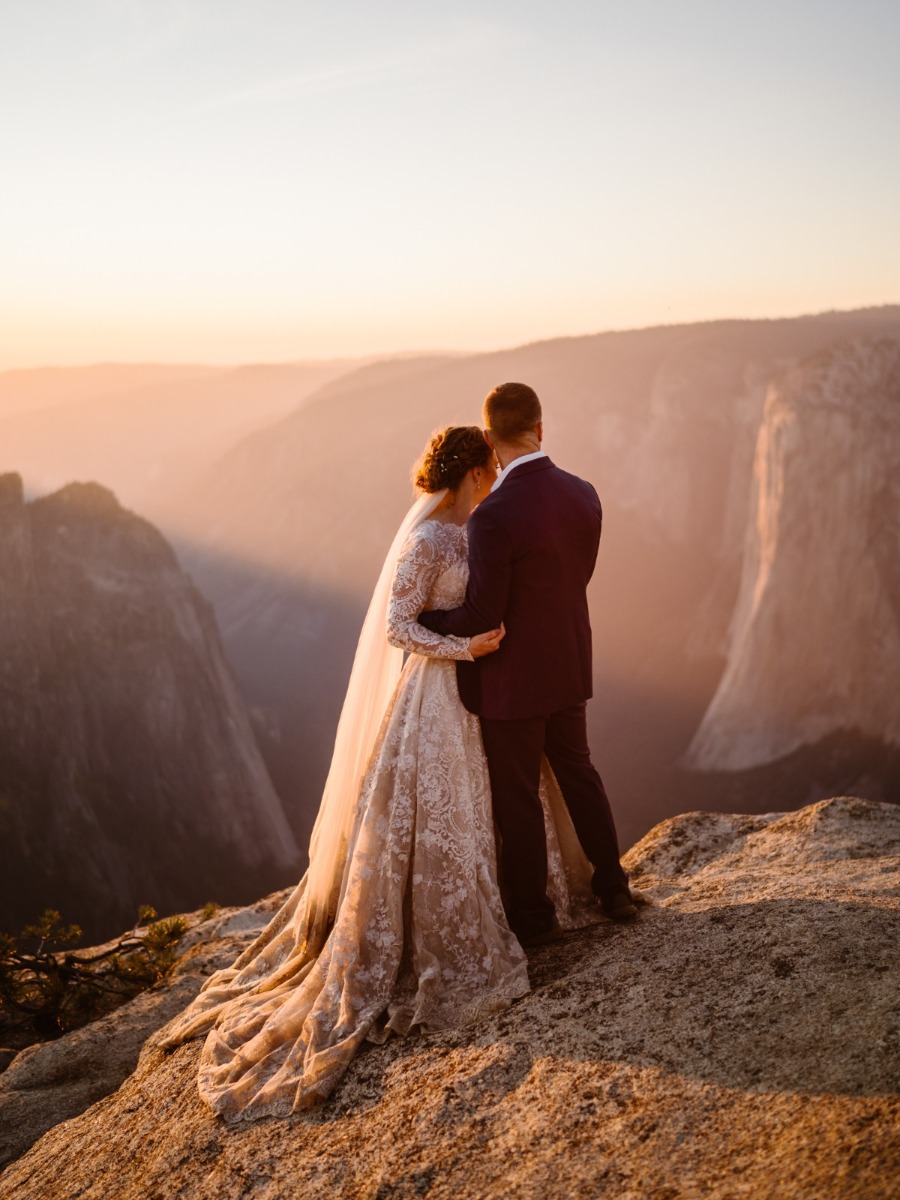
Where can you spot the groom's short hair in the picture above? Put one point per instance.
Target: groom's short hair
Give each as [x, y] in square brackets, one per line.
[511, 410]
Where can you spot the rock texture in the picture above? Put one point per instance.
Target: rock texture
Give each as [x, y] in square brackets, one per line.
[129, 773]
[53, 1081]
[742, 1039]
[816, 640]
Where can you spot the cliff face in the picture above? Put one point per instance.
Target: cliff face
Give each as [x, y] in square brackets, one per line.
[128, 770]
[739, 1040]
[815, 646]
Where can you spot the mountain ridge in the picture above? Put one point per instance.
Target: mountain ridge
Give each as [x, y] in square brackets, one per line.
[285, 534]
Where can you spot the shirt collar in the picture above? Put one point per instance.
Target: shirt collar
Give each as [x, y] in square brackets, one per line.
[516, 462]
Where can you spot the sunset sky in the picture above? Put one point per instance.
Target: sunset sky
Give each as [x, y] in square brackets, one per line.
[234, 180]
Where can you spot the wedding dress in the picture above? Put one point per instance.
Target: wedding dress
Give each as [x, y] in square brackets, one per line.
[419, 938]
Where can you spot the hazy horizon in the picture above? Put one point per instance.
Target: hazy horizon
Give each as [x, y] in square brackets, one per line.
[350, 361]
[226, 183]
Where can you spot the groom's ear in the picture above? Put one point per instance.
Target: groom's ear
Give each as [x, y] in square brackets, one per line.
[487, 438]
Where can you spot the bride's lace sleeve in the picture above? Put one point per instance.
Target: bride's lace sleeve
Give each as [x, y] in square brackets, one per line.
[419, 565]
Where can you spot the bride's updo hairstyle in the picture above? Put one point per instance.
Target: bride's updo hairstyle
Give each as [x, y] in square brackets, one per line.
[449, 456]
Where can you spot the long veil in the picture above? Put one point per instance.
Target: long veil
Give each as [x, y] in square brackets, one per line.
[373, 678]
[292, 940]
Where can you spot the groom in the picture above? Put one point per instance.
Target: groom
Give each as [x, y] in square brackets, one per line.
[532, 548]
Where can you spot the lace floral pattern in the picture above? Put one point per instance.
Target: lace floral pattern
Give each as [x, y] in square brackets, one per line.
[420, 938]
[431, 573]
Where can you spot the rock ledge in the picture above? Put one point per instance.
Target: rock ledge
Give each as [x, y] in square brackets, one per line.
[741, 1040]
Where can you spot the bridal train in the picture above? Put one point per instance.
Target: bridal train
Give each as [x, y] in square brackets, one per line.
[419, 939]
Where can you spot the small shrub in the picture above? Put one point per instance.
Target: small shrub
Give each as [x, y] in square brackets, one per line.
[47, 989]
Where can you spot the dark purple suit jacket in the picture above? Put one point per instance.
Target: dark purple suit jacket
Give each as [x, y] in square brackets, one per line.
[532, 550]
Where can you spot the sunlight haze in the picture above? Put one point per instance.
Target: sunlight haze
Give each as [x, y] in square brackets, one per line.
[189, 180]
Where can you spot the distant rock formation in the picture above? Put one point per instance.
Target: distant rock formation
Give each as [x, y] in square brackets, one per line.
[128, 770]
[740, 1039]
[815, 646]
[136, 428]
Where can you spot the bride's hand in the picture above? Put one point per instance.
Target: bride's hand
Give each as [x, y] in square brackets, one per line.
[487, 643]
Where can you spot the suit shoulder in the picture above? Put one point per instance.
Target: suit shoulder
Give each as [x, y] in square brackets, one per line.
[488, 513]
[576, 483]
[492, 520]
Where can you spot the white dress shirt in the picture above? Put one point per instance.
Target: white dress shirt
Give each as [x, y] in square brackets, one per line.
[516, 462]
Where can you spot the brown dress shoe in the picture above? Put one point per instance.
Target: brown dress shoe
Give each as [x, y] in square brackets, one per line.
[619, 906]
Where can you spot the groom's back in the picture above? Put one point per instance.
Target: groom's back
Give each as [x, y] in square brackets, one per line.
[552, 523]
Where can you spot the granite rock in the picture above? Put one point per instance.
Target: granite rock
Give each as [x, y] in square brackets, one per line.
[741, 1039]
[815, 641]
[129, 772]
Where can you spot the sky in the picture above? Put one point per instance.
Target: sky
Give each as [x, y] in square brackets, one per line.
[270, 180]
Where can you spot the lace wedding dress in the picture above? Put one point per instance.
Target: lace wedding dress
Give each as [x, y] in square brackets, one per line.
[419, 939]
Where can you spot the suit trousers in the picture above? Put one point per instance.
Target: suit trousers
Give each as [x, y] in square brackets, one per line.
[514, 750]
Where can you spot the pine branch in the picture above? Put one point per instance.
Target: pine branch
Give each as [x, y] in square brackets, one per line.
[50, 989]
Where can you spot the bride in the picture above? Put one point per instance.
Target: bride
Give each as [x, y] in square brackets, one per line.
[398, 924]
